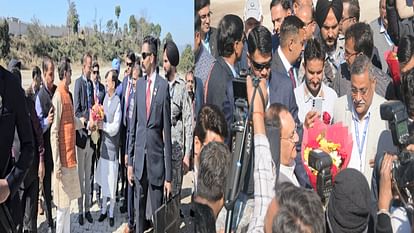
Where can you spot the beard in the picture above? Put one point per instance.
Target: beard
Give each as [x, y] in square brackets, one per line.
[191, 94]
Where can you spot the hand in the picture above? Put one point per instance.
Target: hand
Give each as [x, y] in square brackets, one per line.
[50, 115]
[130, 174]
[186, 164]
[126, 161]
[167, 189]
[4, 190]
[310, 118]
[58, 174]
[83, 120]
[385, 191]
[410, 147]
[41, 172]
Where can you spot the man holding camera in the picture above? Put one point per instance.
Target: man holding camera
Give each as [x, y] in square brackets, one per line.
[361, 115]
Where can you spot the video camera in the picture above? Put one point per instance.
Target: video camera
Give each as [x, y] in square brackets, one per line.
[322, 162]
[403, 169]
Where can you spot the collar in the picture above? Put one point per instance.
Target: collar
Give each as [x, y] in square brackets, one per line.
[84, 78]
[288, 170]
[355, 115]
[308, 95]
[285, 61]
[152, 77]
[231, 68]
[382, 28]
[207, 38]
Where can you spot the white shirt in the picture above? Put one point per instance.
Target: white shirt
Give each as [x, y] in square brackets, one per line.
[152, 77]
[357, 161]
[305, 100]
[289, 172]
[285, 61]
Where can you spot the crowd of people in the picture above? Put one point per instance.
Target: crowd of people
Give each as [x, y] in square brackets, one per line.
[134, 140]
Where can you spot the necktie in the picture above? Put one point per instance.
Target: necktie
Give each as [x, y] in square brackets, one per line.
[292, 77]
[148, 97]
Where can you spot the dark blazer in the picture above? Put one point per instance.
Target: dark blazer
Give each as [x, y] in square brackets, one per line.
[14, 114]
[220, 91]
[150, 140]
[198, 96]
[101, 92]
[81, 107]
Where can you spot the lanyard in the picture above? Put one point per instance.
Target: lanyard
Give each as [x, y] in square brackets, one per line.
[364, 134]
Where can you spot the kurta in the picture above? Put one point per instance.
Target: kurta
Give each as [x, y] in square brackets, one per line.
[107, 169]
[62, 138]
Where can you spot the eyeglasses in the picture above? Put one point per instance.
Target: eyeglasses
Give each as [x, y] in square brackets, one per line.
[292, 138]
[345, 19]
[259, 66]
[204, 17]
[145, 55]
[308, 24]
[130, 64]
[190, 81]
[363, 91]
[349, 55]
[95, 72]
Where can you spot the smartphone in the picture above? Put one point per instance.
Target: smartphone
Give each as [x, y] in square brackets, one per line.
[317, 105]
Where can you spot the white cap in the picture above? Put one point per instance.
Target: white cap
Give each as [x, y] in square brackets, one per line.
[253, 9]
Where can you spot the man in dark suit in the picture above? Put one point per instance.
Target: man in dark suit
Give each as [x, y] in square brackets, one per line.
[219, 86]
[208, 33]
[14, 116]
[149, 150]
[98, 96]
[83, 95]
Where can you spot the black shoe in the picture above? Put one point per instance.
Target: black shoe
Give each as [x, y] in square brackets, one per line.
[102, 217]
[123, 209]
[80, 219]
[111, 222]
[88, 217]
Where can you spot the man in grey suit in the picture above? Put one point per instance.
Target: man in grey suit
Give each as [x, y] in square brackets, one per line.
[149, 150]
[360, 112]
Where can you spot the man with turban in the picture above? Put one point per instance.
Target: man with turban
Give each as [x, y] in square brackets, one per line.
[328, 15]
[181, 116]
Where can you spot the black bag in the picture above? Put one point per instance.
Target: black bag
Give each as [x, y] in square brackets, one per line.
[81, 138]
[167, 217]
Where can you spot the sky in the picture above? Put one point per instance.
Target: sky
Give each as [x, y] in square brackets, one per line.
[175, 17]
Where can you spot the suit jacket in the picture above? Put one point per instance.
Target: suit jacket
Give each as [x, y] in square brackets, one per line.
[81, 107]
[150, 139]
[101, 92]
[198, 96]
[378, 139]
[14, 114]
[380, 42]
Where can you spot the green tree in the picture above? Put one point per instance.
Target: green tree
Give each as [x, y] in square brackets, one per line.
[72, 20]
[110, 26]
[186, 60]
[133, 26]
[4, 39]
[39, 41]
[117, 13]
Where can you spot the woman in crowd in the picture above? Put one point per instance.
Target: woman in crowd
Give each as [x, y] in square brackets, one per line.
[107, 170]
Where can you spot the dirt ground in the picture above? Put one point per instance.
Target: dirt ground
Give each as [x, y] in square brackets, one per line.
[369, 10]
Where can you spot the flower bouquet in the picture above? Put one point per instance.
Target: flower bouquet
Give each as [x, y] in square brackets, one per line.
[334, 139]
[393, 66]
[97, 114]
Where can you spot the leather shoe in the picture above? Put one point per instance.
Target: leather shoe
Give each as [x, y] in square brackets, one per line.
[88, 217]
[111, 222]
[80, 219]
[102, 217]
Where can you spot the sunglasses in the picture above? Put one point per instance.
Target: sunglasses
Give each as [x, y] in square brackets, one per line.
[95, 72]
[130, 64]
[260, 67]
[145, 55]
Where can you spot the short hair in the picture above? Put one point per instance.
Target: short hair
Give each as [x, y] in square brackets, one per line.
[137, 66]
[284, 3]
[153, 44]
[95, 64]
[45, 63]
[405, 49]
[314, 50]
[229, 30]
[36, 72]
[363, 38]
[114, 76]
[290, 28]
[272, 117]
[85, 56]
[214, 167]
[131, 56]
[197, 23]
[17, 73]
[300, 210]
[259, 38]
[210, 118]
[199, 4]
[353, 10]
[64, 66]
[360, 65]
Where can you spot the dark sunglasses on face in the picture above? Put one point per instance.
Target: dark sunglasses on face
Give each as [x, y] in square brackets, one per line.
[145, 55]
[260, 67]
[95, 72]
[129, 64]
